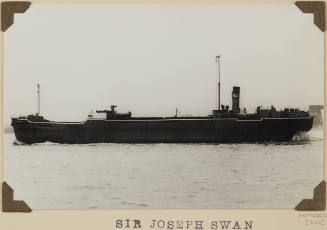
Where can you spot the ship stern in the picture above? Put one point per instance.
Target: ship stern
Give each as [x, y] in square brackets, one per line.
[24, 131]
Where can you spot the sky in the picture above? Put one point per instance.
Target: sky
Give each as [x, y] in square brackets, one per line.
[152, 59]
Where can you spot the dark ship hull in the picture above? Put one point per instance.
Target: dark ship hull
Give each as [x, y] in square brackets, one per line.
[223, 126]
[161, 130]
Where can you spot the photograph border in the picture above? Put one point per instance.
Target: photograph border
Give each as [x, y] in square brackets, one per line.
[316, 203]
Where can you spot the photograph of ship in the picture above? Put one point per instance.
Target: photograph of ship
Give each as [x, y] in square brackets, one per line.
[224, 126]
[163, 106]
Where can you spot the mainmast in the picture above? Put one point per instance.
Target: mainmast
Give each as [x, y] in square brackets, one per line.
[38, 99]
[218, 72]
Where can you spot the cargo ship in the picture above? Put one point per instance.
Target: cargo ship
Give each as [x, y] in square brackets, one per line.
[224, 125]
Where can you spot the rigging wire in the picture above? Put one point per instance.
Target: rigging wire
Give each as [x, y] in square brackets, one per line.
[27, 101]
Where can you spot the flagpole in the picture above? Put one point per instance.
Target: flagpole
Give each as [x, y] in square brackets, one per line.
[218, 66]
[38, 99]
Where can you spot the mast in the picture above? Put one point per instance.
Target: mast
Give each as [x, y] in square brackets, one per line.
[38, 99]
[218, 70]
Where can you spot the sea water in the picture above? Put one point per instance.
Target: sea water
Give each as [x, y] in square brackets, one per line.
[119, 176]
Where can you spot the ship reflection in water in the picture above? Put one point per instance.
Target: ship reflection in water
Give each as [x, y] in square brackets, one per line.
[109, 176]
